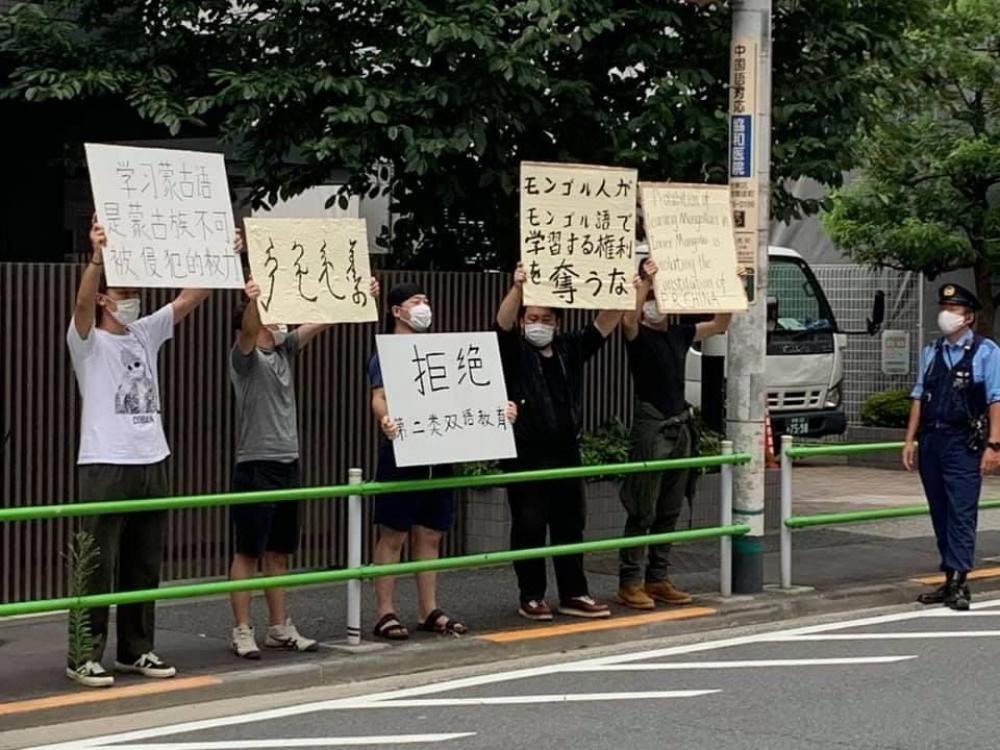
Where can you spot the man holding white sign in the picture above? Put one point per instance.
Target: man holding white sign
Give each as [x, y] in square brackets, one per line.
[123, 453]
[267, 458]
[167, 215]
[661, 429]
[438, 400]
[544, 368]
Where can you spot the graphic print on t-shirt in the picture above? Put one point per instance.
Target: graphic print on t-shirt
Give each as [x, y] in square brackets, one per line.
[136, 392]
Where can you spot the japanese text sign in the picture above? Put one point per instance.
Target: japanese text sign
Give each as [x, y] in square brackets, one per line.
[311, 270]
[447, 395]
[745, 195]
[691, 239]
[167, 217]
[578, 235]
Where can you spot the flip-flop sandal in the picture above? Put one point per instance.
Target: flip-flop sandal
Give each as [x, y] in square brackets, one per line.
[446, 626]
[390, 628]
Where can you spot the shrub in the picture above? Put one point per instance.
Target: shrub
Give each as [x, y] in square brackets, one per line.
[886, 409]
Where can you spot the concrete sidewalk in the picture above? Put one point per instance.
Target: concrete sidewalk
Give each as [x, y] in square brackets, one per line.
[848, 567]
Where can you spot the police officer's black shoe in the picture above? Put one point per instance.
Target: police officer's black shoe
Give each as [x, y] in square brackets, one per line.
[937, 596]
[958, 597]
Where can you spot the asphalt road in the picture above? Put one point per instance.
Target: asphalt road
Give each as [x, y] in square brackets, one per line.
[927, 678]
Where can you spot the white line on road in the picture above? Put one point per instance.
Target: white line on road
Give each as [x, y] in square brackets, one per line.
[490, 679]
[746, 664]
[514, 700]
[280, 743]
[884, 636]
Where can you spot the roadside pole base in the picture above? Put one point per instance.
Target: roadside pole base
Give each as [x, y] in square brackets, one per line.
[774, 588]
[717, 598]
[365, 647]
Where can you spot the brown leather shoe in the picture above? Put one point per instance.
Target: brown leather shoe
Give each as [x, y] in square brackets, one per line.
[664, 591]
[632, 595]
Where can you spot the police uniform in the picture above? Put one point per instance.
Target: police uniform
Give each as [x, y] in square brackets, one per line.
[956, 384]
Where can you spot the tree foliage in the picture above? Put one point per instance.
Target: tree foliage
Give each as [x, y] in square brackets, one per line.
[437, 101]
[927, 196]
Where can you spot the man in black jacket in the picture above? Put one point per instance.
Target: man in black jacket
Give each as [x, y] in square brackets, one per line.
[544, 372]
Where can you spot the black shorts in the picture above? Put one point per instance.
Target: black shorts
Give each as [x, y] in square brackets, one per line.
[401, 511]
[266, 527]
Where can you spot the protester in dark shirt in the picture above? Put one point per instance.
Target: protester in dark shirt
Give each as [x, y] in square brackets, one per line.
[543, 368]
[424, 516]
[661, 429]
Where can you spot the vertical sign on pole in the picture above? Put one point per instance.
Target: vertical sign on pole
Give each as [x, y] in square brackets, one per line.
[743, 156]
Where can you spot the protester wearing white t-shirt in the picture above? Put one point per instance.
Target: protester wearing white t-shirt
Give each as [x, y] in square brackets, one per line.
[122, 455]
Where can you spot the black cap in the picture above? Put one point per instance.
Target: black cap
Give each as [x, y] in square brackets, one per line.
[402, 292]
[953, 294]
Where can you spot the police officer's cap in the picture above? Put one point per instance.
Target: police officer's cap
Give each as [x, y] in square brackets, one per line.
[953, 294]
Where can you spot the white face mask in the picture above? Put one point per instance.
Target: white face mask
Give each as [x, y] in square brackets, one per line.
[539, 335]
[651, 313]
[126, 310]
[949, 322]
[420, 317]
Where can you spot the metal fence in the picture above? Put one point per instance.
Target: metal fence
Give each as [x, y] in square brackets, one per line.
[850, 289]
[40, 419]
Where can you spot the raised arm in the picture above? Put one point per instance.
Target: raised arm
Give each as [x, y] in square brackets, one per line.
[606, 321]
[643, 282]
[250, 324]
[511, 305]
[90, 283]
[309, 331]
[718, 324]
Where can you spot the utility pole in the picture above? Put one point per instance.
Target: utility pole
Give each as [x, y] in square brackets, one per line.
[749, 170]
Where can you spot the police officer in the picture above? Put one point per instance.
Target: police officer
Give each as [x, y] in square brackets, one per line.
[956, 409]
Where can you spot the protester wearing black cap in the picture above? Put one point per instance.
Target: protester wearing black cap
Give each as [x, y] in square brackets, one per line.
[956, 411]
[425, 516]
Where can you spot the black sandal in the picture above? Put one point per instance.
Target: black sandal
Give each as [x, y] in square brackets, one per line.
[390, 628]
[447, 626]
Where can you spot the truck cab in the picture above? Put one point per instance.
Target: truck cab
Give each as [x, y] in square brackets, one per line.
[804, 369]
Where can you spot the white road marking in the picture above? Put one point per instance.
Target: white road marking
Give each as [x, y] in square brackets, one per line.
[513, 700]
[747, 664]
[280, 743]
[493, 678]
[885, 636]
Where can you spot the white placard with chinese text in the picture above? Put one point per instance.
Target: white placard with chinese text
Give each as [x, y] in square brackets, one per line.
[167, 215]
[446, 393]
[895, 352]
[578, 235]
[311, 270]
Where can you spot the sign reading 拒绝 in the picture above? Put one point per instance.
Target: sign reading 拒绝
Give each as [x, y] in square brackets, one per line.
[311, 270]
[578, 235]
[446, 393]
[167, 216]
[690, 233]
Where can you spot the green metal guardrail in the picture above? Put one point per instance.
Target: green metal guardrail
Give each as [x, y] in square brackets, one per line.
[860, 516]
[835, 449]
[369, 571]
[356, 572]
[35, 512]
[789, 522]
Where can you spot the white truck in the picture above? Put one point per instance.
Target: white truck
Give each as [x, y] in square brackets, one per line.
[805, 351]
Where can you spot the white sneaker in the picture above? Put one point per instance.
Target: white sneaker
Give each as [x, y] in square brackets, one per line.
[287, 637]
[243, 644]
[90, 674]
[148, 665]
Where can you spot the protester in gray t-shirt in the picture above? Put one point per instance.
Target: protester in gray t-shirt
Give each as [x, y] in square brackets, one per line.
[267, 458]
